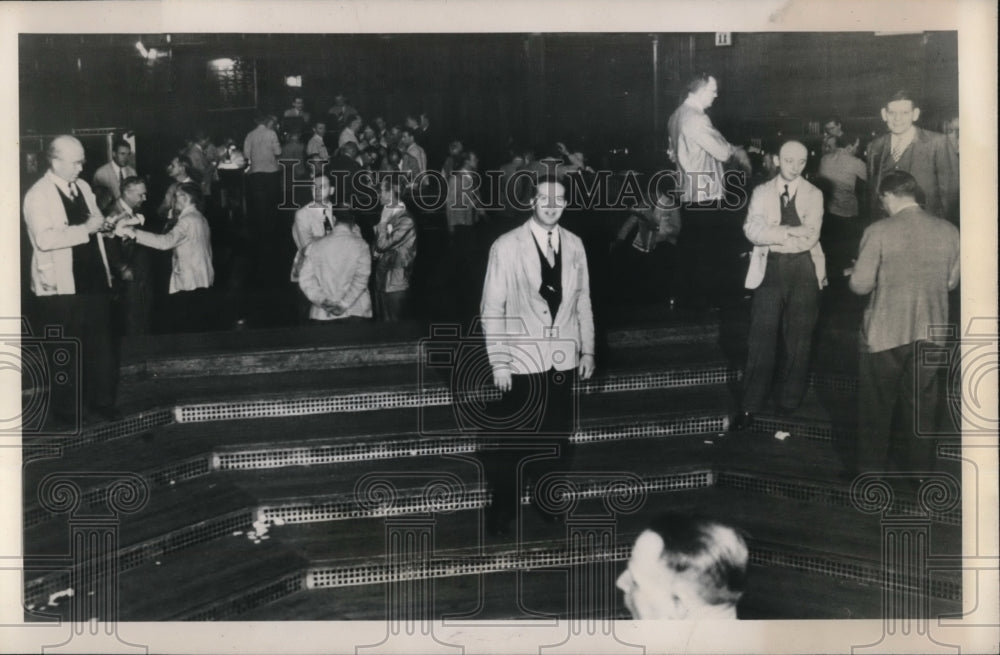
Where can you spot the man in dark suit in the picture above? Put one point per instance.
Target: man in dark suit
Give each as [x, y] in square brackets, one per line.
[921, 153]
[71, 278]
[908, 262]
[539, 330]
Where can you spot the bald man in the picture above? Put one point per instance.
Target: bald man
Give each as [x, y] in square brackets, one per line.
[71, 278]
[787, 271]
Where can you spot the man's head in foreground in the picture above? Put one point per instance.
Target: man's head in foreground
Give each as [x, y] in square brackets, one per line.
[685, 568]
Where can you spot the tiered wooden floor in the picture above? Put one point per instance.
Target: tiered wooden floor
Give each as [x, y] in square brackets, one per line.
[325, 475]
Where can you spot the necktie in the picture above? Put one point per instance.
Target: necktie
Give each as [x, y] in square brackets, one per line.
[897, 150]
[121, 174]
[785, 198]
[73, 192]
[550, 253]
[327, 225]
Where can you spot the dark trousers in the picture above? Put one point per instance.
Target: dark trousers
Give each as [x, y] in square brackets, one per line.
[528, 436]
[263, 219]
[894, 397]
[85, 319]
[391, 307]
[840, 237]
[787, 304]
[192, 311]
[708, 250]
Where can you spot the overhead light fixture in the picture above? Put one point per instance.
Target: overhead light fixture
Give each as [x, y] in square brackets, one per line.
[293, 81]
[223, 64]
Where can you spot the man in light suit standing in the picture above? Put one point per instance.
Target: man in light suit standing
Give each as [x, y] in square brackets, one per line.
[70, 277]
[787, 271]
[539, 330]
[192, 273]
[922, 153]
[108, 178]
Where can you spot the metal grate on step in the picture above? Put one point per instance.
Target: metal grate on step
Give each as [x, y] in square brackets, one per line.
[375, 573]
[662, 428]
[662, 380]
[408, 501]
[366, 450]
[871, 574]
[247, 600]
[359, 402]
[808, 430]
[819, 494]
[431, 396]
[130, 557]
[844, 383]
[127, 427]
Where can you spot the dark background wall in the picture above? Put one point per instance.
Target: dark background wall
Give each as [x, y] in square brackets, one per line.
[594, 91]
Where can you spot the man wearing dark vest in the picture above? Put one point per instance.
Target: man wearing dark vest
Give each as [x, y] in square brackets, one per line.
[922, 153]
[787, 271]
[70, 276]
[539, 331]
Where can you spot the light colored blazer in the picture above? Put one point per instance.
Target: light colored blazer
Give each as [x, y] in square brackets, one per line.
[53, 238]
[191, 242]
[105, 177]
[764, 230]
[519, 331]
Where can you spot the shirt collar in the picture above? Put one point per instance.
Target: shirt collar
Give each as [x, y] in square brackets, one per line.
[905, 207]
[793, 186]
[542, 235]
[906, 137]
[691, 102]
[60, 183]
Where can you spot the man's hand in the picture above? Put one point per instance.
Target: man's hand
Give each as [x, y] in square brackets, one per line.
[501, 378]
[334, 308]
[94, 223]
[743, 159]
[586, 367]
[800, 231]
[126, 274]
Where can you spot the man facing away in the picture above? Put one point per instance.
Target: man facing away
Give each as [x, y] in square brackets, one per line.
[335, 272]
[539, 330]
[908, 262]
[709, 238]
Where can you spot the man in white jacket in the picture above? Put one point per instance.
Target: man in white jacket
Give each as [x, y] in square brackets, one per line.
[193, 273]
[539, 329]
[787, 271]
[71, 279]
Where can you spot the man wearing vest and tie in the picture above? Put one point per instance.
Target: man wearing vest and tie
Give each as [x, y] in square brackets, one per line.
[539, 331]
[70, 276]
[787, 271]
[922, 153]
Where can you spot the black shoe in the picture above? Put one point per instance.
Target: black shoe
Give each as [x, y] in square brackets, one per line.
[744, 421]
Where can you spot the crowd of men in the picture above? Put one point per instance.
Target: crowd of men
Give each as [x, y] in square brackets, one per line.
[889, 240]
